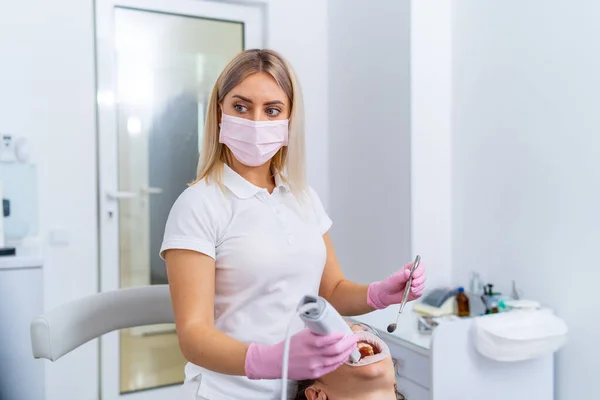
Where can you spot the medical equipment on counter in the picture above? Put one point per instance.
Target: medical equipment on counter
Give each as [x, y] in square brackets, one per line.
[462, 303]
[490, 299]
[392, 327]
[519, 304]
[426, 324]
[475, 286]
[437, 303]
[322, 319]
[516, 293]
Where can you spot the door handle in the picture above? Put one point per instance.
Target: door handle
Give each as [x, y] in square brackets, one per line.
[152, 190]
[121, 195]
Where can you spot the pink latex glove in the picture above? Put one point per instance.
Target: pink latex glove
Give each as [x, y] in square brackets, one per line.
[391, 290]
[311, 356]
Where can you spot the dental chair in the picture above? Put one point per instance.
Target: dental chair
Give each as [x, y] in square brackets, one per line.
[63, 329]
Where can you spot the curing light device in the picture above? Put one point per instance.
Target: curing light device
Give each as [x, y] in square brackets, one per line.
[322, 319]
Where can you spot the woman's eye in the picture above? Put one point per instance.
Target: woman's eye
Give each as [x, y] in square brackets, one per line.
[273, 112]
[240, 108]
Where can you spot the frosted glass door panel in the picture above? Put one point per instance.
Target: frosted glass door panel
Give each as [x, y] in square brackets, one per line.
[166, 65]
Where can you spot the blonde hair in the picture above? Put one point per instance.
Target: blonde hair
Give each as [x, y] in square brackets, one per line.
[288, 162]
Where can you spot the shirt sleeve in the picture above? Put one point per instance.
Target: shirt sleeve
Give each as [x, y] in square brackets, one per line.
[323, 220]
[191, 224]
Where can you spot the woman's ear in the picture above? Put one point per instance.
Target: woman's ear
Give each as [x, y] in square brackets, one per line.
[313, 393]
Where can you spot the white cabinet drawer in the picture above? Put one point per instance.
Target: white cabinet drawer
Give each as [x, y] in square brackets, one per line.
[411, 365]
[411, 390]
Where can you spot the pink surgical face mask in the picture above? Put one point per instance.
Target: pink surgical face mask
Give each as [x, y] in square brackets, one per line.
[253, 143]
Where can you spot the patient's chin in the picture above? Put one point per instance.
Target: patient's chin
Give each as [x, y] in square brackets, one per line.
[379, 370]
[350, 380]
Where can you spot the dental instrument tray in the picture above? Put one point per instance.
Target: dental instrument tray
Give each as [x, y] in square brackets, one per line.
[439, 302]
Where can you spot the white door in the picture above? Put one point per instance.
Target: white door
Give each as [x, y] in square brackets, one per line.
[157, 61]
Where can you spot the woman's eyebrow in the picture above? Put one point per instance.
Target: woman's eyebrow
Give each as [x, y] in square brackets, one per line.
[242, 98]
[268, 103]
[273, 102]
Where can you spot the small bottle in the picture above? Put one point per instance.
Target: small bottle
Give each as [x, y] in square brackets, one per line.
[462, 303]
[475, 283]
[493, 299]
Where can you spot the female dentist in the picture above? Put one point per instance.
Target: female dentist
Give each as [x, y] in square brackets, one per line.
[249, 238]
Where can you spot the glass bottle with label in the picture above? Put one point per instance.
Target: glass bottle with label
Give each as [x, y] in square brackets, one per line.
[462, 303]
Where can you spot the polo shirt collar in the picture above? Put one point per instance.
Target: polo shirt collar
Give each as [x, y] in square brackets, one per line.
[243, 189]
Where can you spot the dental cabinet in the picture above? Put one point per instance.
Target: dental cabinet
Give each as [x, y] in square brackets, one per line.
[445, 365]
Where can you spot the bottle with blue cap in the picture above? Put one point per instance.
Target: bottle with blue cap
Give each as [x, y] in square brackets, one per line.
[462, 303]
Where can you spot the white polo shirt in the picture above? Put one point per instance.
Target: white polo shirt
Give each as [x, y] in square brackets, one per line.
[269, 252]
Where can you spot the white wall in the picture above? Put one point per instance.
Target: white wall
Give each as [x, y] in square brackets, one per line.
[526, 162]
[298, 29]
[431, 168]
[369, 97]
[47, 94]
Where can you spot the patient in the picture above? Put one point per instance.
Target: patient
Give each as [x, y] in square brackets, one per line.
[373, 378]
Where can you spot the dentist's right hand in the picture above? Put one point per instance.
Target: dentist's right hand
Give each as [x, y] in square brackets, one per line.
[311, 356]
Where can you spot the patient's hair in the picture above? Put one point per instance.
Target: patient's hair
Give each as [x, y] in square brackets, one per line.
[303, 385]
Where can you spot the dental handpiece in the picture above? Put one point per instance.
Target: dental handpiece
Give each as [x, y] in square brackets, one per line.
[322, 319]
[392, 327]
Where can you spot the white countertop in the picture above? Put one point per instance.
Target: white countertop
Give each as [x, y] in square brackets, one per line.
[406, 333]
[17, 262]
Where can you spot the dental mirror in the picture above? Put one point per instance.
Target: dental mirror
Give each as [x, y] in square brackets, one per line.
[392, 327]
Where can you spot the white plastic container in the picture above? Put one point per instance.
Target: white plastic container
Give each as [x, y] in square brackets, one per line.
[519, 335]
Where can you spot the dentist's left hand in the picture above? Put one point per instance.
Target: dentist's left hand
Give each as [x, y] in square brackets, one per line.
[391, 290]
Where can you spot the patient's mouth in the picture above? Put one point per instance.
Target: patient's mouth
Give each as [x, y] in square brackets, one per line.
[367, 348]
[372, 349]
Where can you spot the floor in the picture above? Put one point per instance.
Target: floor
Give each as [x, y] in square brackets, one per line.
[150, 359]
